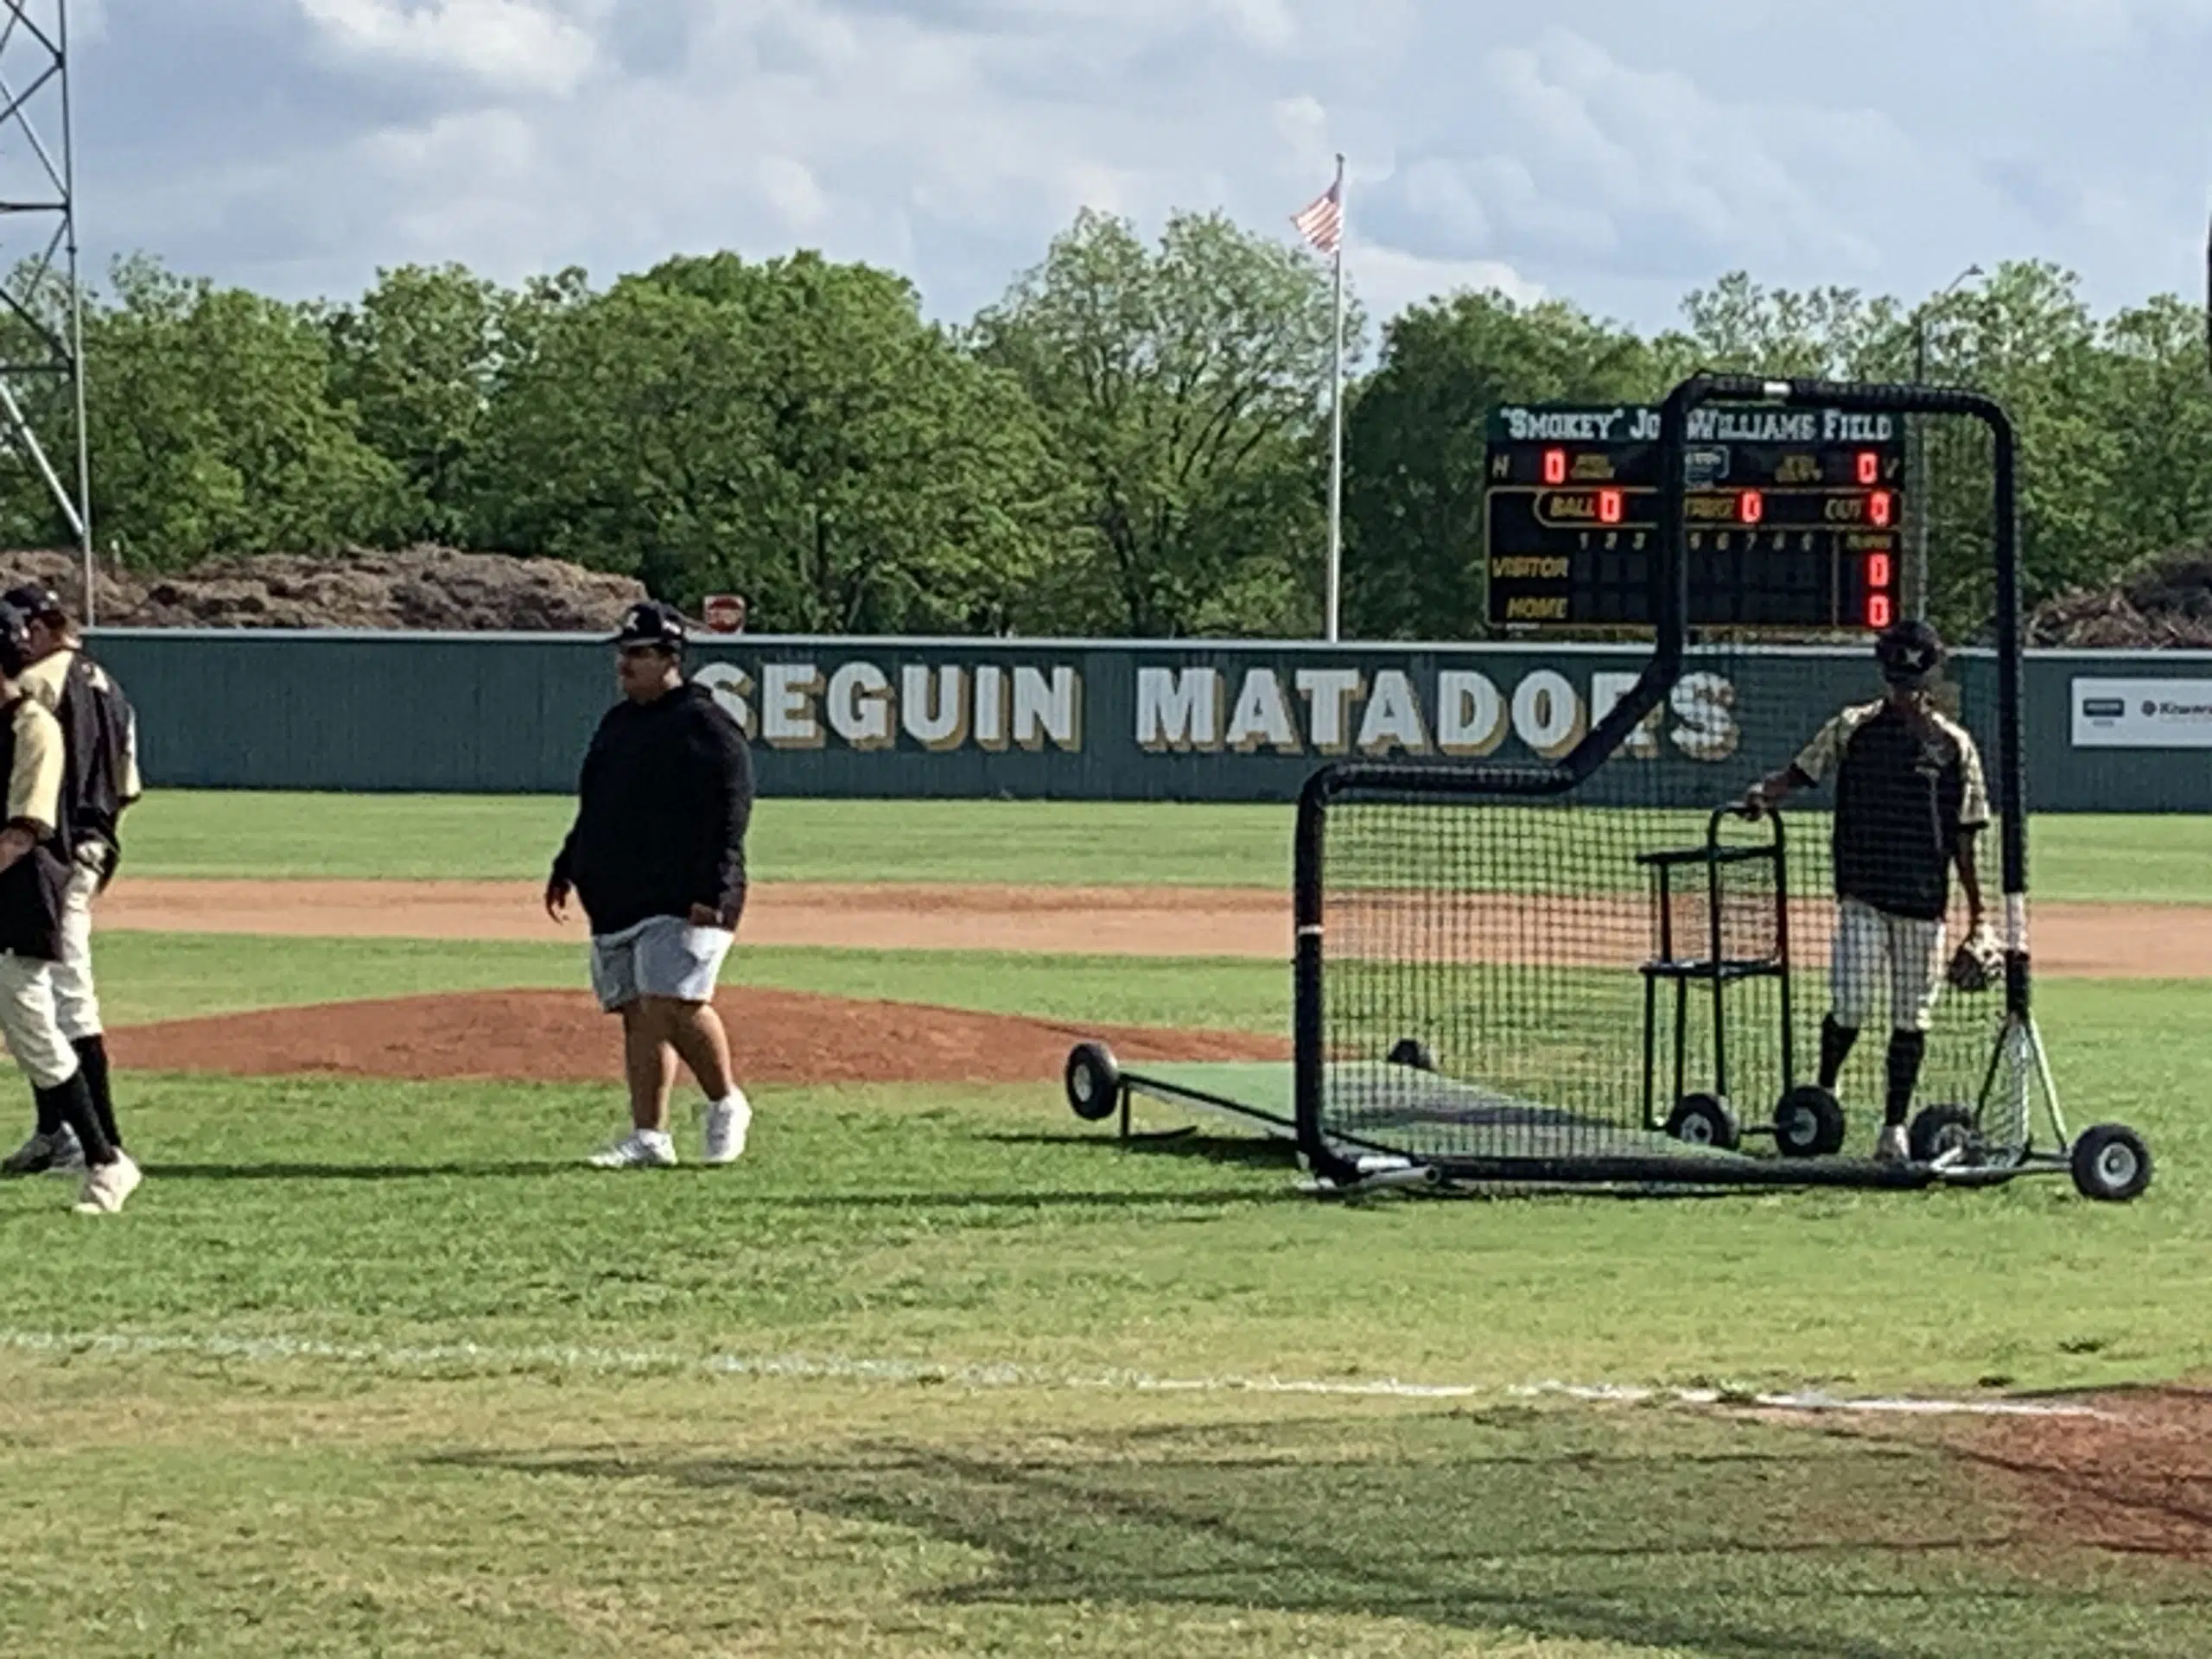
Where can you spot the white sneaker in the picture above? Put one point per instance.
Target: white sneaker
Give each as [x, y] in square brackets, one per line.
[1893, 1146]
[57, 1153]
[639, 1149]
[728, 1123]
[107, 1187]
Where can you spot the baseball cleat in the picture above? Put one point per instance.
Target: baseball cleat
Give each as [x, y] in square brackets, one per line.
[640, 1149]
[43, 1154]
[1893, 1147]
[727, 1123]
[107, 1187]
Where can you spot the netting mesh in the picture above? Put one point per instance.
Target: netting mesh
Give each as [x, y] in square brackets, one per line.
[1508, 977]
[1550, 978]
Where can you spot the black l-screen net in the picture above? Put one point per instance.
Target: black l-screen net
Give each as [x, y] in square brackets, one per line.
[1593, 970]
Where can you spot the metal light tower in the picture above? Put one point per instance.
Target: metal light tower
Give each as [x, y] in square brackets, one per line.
[41, 304]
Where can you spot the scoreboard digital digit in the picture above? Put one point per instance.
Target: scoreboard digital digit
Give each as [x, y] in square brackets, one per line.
[1795, 518]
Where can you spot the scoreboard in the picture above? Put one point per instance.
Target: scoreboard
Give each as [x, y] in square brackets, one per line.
[1795, 518]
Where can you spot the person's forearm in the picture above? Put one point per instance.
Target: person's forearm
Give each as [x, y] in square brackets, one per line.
[1970, 878]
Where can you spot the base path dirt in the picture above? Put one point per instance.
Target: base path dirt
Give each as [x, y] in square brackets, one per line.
[2136, 1479]
[778, 1037]
[2090, 941]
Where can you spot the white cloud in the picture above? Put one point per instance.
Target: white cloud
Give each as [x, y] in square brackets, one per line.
[1390, 279]
[2113, 23]
[508, 45]
[300, 143]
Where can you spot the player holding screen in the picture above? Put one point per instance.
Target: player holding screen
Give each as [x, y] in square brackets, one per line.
[1909, 800]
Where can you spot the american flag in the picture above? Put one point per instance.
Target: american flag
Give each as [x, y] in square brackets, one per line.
[1322, 223]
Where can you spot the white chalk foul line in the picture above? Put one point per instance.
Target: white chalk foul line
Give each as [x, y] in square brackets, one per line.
[846, 1369]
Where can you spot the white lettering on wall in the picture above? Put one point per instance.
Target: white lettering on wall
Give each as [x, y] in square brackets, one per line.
[1706, 705]
[788, 716]
[732, 690]
[934, 702]
[1606, 691]
[1394, 717]
[1261, 717]
[1179, 709]
[1470, 715]
[1547, 714]
[1330, 694]
[990, 709]
[859, 705]
[1048, 709]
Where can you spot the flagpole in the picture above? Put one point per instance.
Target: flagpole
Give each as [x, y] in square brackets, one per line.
[1337, 429]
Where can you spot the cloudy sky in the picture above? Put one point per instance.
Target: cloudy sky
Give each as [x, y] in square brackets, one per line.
[1617, 152]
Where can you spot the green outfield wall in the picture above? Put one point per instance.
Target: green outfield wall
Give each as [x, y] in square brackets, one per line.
[1091, 720]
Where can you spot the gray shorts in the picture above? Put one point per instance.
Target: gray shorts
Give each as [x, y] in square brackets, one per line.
[663, 956]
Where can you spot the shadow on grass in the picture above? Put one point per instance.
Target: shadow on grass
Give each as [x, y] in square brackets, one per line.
[752, 1199]
[1738, 1540]
[1239, 1151]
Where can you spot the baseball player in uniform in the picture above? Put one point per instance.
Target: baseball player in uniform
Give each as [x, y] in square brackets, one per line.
[657, 857]
[100, 781]
[1909, 801]
[35, 873]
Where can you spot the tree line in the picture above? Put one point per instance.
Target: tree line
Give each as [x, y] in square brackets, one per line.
[1132, 440]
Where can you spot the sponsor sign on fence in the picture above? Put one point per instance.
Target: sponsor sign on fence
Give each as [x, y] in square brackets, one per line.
[2143, 713]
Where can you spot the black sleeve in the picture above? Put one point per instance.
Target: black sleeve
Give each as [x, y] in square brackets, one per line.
[565, 861]
[726, 809]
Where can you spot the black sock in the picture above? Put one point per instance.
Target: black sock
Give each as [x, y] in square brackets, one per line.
[74, 1101]
[49, 1114]
[1835, 1049]
[1907, 1050]
[91, 1061]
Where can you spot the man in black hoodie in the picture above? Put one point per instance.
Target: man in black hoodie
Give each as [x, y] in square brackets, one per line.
[658, 858]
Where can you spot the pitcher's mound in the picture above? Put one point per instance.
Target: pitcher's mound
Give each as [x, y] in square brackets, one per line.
[561, 1036]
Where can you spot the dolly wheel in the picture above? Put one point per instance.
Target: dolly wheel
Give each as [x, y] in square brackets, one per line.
[1808, 1123]
[1705, 1121]
[1094, 1082]
[1937, 1130]
[2111, 1163]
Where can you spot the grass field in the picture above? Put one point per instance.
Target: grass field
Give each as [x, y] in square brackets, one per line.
[183, 833]
[379, 1368]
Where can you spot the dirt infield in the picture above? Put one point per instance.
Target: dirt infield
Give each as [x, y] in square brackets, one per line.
[2093, 941]
[561, 1036]
[2136, 1480]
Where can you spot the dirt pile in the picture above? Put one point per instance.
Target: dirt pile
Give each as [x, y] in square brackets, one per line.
[2165, 604]
[778, 1037]
[435, 588]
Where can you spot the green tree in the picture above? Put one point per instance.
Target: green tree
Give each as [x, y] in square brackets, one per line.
[2025, 337]
[2157, 401]
[792, 430]
[1416, 481]
[213, 429]
[418, 356]
[1737, 326]
[1182, 384]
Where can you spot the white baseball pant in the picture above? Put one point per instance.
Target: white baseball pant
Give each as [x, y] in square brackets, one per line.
[1883, 964]
[76, 1003]
[27, 1021]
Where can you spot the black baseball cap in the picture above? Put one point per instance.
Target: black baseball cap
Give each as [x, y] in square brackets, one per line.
[1911, 655]
[34, 599]
[652, 623]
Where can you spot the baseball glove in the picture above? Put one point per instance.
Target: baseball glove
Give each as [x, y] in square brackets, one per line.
[1978, 964]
